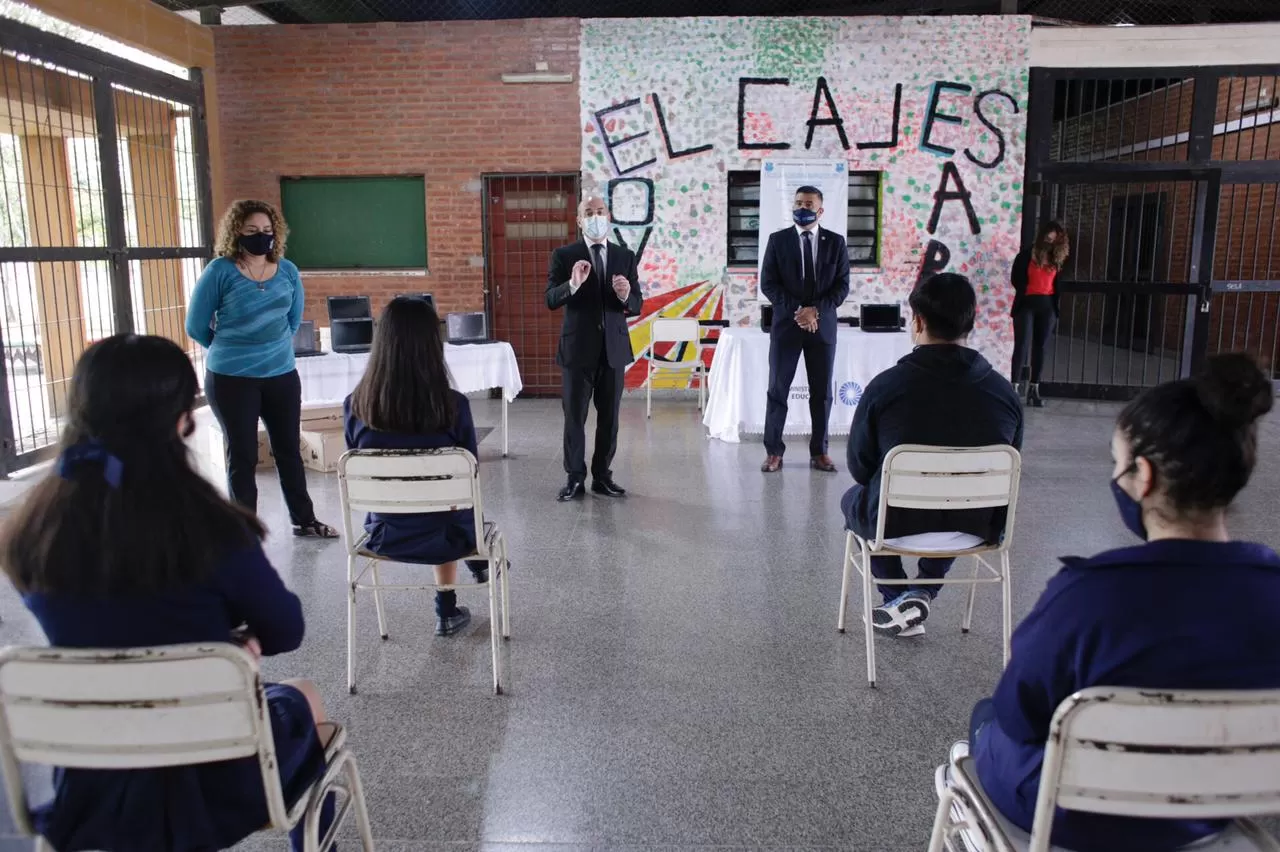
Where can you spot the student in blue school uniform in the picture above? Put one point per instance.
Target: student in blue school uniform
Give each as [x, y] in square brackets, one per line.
[405, 402]
[126, 545]
[1188, 609]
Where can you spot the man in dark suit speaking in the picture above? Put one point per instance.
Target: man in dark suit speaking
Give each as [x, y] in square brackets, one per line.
[806, 277]
[596, 283]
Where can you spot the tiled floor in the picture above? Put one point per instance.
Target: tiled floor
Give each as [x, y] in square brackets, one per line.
[675, 677]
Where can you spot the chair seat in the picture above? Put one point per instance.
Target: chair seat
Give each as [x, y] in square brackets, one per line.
[887, 549]
[1231, 840]
[490, 536]
[939, 542]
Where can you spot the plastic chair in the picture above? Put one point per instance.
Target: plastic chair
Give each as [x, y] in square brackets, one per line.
[1138, 753]
[948, 479]
[417, 482]
[146, 708]
[675, 330]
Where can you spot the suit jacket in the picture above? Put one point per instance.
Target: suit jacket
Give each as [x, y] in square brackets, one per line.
[594, 316]
[782, 281]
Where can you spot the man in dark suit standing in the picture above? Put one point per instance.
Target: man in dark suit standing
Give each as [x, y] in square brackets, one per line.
[597, 284]
[806, 277]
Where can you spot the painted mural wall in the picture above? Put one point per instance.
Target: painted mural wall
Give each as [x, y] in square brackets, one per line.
[937, 105]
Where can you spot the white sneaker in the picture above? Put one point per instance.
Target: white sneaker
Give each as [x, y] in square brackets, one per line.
[914, 630]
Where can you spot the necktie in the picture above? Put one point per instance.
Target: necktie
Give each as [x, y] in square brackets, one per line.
[597, 253]
[810, 279]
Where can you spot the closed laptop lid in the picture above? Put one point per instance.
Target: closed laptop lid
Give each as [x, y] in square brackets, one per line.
[304, 339]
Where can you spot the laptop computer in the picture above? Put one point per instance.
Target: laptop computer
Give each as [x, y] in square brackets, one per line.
[880, 318]
[469, 327]
[351, 335]
[349, 307]
[304, 340]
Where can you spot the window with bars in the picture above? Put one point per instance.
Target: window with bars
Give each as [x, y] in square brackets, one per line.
[744, 218]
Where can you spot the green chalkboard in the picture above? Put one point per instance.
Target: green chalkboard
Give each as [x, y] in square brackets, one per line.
[356, 222]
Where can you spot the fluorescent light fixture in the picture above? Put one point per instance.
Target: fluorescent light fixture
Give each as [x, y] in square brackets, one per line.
[539, 74]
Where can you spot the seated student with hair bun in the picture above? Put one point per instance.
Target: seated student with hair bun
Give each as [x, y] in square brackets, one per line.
[1189, 608]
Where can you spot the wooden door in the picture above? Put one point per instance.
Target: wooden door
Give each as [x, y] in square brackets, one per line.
[526, 218]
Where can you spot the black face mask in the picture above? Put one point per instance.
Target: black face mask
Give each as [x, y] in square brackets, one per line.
[258, 244]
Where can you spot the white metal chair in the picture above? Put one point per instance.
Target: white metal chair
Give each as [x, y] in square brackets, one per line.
[417, 482]
[1138, 753]
[938, 478]
[675, 330]
[147, 708]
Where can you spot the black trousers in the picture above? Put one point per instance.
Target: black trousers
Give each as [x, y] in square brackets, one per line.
[1033, 324]
[819, 363]
[238, 403]
[580, 386]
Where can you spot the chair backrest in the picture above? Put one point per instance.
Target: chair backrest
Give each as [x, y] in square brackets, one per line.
[676, 330]
[950, 478]
[1163, 754]
[138, 708]
[408, 482]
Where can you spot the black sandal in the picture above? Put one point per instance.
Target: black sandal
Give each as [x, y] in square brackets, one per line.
[314, 529]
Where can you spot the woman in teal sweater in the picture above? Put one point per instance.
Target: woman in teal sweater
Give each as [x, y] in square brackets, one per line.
[246, 308]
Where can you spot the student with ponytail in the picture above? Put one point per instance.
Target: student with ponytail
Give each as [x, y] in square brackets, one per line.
[1189, 608]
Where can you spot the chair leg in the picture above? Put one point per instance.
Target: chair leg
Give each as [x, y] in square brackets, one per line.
[702, 388]
[351, 625]
[1006, 593]
[941, 822]
[494, 632]
[355, 789]
[377, 602]
[867, 590]
[648, 388]
[844, 581]
[504, 569]
[973, 594]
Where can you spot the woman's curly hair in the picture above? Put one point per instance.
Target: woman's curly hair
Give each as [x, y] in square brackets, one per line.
[233, 220]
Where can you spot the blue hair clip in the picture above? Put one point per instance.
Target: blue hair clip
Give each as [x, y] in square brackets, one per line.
[95, 453]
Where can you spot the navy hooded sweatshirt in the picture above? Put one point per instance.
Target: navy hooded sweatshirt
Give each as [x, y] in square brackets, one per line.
[942, 395]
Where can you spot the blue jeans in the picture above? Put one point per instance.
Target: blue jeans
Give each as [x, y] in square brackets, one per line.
[890, 568]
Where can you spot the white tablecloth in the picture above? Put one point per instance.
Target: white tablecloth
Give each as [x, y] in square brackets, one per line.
[739, 381]
[327, 379]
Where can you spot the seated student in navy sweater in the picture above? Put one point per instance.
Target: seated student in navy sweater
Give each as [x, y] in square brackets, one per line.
[943, 394]
[1187, 609]
[405, 402]
[125, 545]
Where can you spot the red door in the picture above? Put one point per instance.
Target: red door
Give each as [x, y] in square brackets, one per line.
[527, 217]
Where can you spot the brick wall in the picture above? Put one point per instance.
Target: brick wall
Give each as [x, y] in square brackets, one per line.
[398, 99]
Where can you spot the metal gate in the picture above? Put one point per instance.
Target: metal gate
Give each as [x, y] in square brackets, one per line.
[104, 217]
[1166, 181]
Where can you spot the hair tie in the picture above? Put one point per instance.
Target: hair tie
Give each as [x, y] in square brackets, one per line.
[91, 452]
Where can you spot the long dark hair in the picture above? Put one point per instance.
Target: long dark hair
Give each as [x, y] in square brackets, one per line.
[405, 387]
[1201, 434]
[136, 517]
[1053, 254]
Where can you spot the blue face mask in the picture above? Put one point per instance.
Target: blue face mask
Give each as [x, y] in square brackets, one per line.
[804, 218]
[1130, 509]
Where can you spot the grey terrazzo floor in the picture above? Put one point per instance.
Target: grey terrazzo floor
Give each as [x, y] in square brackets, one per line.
[675, 677]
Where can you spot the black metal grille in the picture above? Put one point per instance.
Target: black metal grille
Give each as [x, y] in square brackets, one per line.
[1073, 11]
[103, 217]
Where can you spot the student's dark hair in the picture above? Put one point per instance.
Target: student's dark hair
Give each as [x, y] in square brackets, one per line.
[124, 511]
[1201, 434]
[406, 386]
[947, 304]
[810, 190]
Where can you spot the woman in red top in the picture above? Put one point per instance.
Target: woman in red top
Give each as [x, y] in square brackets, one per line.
[1035, 303]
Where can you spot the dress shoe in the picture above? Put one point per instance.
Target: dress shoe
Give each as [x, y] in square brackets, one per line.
[572, 490]
[1034, 400]
[607, 487]
[772, 464]
[447, 626]
[823, 463]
